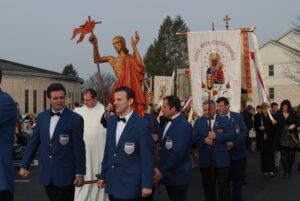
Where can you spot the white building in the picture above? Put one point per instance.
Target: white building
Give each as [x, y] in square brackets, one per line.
[27, 85]
[279, 56]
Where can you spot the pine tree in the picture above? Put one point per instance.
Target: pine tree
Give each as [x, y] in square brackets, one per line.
[70, 70]
[169, 51]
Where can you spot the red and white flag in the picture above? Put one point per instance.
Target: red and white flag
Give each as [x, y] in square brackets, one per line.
[263, 97]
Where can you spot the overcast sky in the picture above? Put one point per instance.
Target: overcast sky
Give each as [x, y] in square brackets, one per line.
[37, 32]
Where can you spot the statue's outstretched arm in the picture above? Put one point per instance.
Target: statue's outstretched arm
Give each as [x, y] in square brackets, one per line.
[136, 53]
[97, 58]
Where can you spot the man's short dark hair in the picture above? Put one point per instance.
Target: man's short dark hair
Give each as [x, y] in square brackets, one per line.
[223, 99]
[0, 75]
[257, 107]
[129, 92]
[91, 91]
[55, 87]
[173, 101]
[273, 104]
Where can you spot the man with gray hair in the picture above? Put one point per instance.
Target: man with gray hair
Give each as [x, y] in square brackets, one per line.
[214, 157]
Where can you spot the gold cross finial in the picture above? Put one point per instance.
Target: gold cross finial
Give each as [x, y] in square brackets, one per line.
[226, 20]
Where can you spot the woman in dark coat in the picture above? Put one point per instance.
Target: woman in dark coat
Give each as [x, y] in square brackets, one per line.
[286, 118]
[298, 129]
[265, 137]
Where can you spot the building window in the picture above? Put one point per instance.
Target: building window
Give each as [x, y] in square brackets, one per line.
[271, 93]
[45, 100]
[34, 101]
[72, 101]
[26, 100]
[271, 70]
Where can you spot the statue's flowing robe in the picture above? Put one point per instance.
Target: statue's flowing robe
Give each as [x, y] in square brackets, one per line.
[94, 138]
[132, 76]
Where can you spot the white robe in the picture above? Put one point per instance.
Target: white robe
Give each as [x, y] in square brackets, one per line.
[94, 137]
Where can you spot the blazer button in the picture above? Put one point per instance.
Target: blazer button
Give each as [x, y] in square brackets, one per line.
[50, 145]
[50, 156]
[113, 166]
[115, 154]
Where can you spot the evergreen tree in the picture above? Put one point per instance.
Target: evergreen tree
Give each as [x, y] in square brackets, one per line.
[70, 70]
[169, 51]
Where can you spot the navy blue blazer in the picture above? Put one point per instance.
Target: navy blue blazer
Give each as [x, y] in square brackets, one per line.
[62, 156]
[8, 120]
[128, 167]
[224, 133]
[175, 153]
[239, 150]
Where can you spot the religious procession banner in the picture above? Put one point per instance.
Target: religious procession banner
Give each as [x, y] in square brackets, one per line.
[215, 67]
[162, 87]
[183, 84]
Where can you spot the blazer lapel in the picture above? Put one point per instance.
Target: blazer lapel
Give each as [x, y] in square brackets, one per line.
[47, 126]
[205, 125]
[127, 129]
[113, 131]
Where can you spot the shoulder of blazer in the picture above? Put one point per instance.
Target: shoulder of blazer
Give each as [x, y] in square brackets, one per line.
[236, 116]
[183, 122]
[73, 114]
[135, 118]
[44, 114]
[6, 97]
[202, 119]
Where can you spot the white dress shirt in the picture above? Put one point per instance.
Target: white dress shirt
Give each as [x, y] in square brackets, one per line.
[120, 127]
[53, 122]
[169, 124]
[227, 115]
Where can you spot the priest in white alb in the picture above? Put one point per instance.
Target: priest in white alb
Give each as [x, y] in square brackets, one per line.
[94, 138]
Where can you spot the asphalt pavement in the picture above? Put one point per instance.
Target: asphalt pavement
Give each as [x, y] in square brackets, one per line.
[256, 188]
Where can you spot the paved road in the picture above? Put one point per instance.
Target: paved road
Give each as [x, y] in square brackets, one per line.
[257, 188]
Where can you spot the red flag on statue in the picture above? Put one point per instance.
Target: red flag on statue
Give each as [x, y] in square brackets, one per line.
[88, 27]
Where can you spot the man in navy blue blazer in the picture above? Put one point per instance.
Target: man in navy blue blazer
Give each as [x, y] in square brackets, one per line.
[214, 159]
[8, 120]
[127, 166]
[237, 147]
[59, 133]
[175, 167]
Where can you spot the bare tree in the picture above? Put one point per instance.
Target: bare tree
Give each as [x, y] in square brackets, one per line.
[297, 23]
[93, 82]
[292, 69]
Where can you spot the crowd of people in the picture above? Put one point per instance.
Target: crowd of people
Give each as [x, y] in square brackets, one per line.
[129, 156]
[267, 128]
